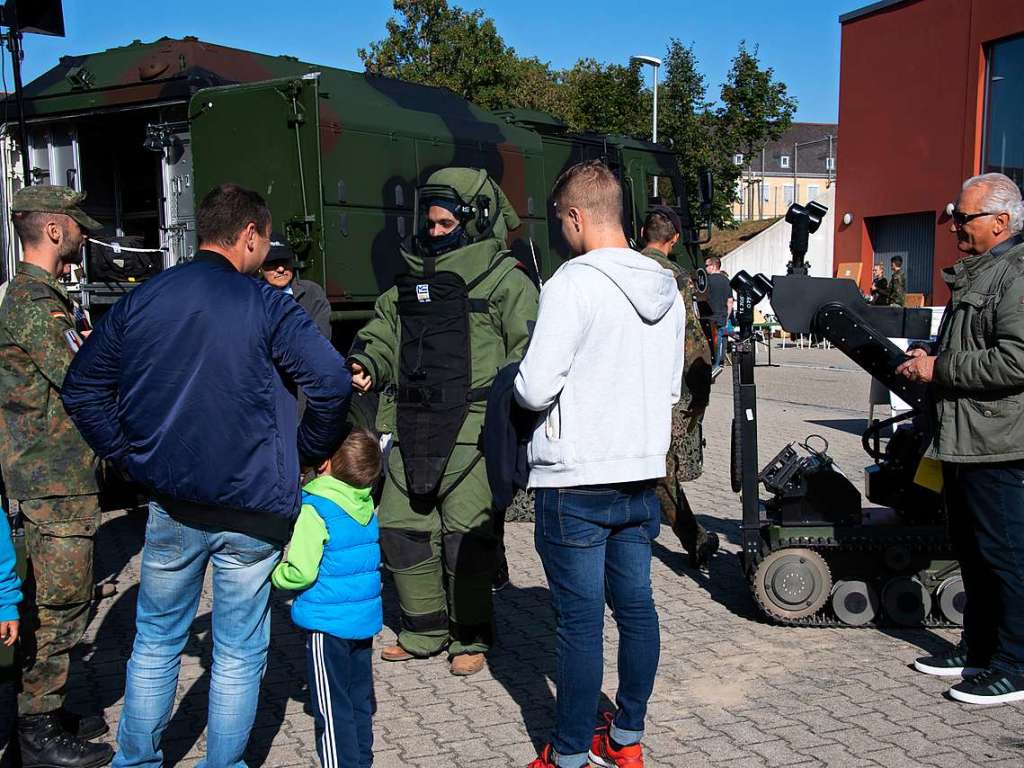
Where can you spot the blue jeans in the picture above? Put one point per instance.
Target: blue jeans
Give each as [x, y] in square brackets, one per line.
[341, 685]
[720, 347]
[595, 544]
[986, 519]
[171, 581]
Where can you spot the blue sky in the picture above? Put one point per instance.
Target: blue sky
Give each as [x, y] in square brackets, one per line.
[799, 40]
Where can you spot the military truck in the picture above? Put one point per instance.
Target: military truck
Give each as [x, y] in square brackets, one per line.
[147, 129]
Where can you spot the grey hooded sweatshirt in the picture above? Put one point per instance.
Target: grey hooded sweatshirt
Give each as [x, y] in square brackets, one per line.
[604, 365]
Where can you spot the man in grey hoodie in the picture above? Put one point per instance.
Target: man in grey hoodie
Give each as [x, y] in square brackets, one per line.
[604, 365]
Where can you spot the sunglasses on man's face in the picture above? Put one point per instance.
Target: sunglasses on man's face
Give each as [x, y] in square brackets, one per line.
[960, 218]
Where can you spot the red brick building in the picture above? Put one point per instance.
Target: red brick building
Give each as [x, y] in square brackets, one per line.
[931, 92]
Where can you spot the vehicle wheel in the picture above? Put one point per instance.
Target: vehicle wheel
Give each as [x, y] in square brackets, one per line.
[906, 601]
[792, 584]
[952, 600]
[855, 602]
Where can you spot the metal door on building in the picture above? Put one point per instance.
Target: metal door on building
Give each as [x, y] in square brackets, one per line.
[910, 236]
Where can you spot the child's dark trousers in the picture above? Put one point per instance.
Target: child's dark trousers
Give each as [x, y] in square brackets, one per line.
[341, 684]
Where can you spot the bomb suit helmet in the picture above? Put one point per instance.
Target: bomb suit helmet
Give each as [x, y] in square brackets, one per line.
[457, 207]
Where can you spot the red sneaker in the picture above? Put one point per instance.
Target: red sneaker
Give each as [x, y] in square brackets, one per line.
[603, 755]
[546, 758]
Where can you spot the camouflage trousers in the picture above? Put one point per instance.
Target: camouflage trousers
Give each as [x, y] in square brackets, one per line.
[59, 533]
[684, 462]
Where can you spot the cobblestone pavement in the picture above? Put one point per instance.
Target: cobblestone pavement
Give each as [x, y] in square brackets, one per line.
[731, 691]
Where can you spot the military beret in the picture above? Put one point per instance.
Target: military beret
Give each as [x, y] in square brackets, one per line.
[668, 213]
[48, 198]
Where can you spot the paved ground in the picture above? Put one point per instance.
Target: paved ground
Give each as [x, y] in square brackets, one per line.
[732, 690]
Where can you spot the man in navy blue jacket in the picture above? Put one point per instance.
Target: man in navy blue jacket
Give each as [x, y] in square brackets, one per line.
[188, 384]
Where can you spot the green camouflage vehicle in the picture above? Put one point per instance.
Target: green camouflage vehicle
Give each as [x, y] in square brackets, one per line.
[149, 128]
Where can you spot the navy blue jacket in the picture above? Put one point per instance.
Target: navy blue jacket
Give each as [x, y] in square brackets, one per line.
[508, 428]
[188, 384]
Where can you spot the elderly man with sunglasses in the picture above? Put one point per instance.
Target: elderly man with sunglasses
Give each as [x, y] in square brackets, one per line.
[976, 370]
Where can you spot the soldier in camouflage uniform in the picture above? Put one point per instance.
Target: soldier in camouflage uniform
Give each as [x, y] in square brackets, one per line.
[686, 456]
[49, 473]
[897, 283]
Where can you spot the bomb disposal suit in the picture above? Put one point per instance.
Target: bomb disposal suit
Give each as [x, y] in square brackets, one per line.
[463, 310]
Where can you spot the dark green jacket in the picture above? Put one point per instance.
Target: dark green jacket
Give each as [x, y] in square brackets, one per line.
[979, 370]
[497, 337]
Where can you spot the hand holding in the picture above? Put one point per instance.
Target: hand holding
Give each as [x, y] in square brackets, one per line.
[361, 381]
[921, 367]
[8, 632]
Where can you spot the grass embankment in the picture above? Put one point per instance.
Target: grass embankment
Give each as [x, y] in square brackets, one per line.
[724, 241]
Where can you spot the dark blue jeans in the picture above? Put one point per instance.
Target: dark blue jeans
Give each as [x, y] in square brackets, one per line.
[341, 683]
[986, 519]
[595, 544]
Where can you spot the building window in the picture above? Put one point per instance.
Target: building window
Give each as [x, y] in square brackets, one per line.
[737, 159]
[784, 161]
[1004, 109]
[830, 163]
[813, 190]
[787, 194]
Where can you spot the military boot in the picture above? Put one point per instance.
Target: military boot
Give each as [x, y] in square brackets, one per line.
[704, 547]
[45, 744]
[83, 726]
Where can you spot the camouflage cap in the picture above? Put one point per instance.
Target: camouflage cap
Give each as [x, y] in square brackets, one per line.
[47, 198]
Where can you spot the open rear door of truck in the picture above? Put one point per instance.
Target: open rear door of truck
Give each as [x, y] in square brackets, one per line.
[265, 136]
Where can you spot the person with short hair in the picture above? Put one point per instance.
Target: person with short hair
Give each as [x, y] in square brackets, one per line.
[976, 373]
[334, 558]
[279, 271]
[604, 367]
[719, 302]
[897, 283]
[50, 473]
[661, 231]
[187, 385]
[879, 286]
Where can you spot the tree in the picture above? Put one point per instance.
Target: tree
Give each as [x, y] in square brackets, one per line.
[534, 86]
[687, 121]
[756, 108]
[603, 98]
[431, 43]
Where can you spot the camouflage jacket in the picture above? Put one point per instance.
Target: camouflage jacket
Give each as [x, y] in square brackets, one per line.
[697, 354]
[898, 288]
[41, 452]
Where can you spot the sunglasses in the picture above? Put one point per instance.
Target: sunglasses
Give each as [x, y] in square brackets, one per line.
[960, 218]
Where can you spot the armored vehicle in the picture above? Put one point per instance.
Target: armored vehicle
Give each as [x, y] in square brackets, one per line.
[814, 554]
[149, 128]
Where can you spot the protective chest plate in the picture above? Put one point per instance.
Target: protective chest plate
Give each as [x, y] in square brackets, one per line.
[434, 373]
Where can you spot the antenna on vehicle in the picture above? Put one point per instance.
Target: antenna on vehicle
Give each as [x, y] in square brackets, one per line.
[41, 17]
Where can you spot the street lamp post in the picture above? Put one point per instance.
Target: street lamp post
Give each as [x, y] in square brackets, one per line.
[655, 64]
